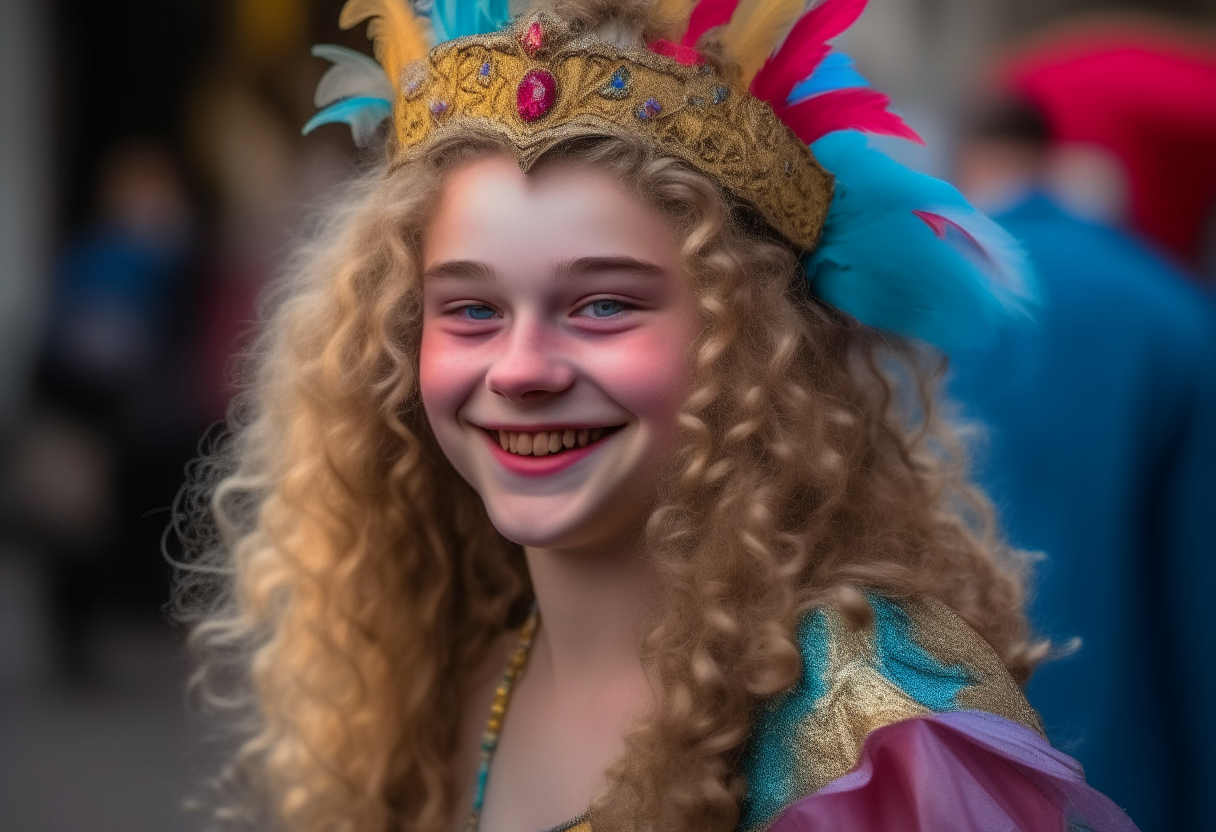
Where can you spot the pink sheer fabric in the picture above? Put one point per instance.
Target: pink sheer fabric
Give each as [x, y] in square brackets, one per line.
[957, 772]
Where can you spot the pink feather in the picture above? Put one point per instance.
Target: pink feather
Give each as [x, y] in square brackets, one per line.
[707, 15]
[799, 56]
[856, 109]
[679, 53]
[805, 48]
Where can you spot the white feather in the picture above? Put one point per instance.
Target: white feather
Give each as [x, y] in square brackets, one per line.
[353, 75]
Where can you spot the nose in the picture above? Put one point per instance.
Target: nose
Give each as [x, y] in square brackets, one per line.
[532, 366]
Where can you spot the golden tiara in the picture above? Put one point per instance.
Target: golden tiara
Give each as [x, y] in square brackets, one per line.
[536, 84]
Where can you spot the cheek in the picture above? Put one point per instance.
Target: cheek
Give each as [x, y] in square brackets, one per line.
[446, 377]
[649, 376]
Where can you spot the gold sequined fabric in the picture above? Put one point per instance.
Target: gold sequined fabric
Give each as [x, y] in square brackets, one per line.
[690, 113]
[949, 639]
[581, 826]
[860, 697]
[916, 659]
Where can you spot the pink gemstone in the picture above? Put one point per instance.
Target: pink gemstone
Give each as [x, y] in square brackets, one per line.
[536, 94]
[533, 39]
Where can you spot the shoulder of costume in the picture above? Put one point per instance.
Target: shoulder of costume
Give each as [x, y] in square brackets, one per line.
[917, 658]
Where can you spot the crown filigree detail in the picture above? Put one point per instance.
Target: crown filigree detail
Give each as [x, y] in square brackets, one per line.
[538, 84]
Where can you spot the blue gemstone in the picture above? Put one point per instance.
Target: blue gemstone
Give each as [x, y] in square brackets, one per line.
[650, 109]
[721, 94]
[617, 85]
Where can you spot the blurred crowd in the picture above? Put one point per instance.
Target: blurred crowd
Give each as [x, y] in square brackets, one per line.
[179, 187]
[170, 175]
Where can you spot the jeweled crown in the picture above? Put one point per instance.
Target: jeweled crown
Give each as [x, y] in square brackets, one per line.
[537, 84]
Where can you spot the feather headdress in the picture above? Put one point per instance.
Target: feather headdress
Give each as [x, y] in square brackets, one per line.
[899, 250]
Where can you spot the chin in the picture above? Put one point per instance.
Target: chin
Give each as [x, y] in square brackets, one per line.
[577, 521]
[539, 523]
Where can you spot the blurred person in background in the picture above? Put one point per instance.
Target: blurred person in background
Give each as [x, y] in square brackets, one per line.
[160, 244]
[1101, 417]
[1131, 99]
[109, 414]
[188, 182]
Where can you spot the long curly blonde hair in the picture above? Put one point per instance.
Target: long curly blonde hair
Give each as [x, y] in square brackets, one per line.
[346, 584]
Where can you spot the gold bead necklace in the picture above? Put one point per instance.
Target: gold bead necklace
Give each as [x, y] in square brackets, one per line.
[498, 710]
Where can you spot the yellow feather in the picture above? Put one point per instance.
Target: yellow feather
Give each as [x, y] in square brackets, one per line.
[397, 33]
[755, 29]
[673, 15]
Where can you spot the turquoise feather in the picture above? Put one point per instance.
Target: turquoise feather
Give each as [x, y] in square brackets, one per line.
[837, 72]
[363, 115]
[354, 91]
[453, 19]
[906, 253]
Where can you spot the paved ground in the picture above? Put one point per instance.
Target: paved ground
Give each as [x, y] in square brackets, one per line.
[119, 755]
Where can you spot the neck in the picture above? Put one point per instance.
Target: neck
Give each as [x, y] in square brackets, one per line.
[595, 612]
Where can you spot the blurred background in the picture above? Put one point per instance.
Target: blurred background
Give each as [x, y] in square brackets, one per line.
[152, 173]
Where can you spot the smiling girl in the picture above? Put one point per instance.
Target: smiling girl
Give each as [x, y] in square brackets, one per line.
[577, 484]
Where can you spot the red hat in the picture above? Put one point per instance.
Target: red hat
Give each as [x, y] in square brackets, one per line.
[1147, 93]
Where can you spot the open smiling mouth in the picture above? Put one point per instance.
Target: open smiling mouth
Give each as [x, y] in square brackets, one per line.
[549, 442]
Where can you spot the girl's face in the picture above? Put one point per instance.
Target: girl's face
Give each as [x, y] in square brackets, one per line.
[556, 331]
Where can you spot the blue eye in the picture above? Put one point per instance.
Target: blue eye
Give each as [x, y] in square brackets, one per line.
[605, 308]
[479, 313]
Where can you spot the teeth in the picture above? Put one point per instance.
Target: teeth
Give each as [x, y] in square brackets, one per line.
[547, 442]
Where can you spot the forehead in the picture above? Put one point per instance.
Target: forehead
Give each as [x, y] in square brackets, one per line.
[492, 212]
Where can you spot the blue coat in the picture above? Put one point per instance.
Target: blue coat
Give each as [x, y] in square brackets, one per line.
[1101, 453]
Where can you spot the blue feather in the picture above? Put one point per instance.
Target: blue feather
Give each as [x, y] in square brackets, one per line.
[460, 18]
[905, 252]
[837, 72]
[363, 114]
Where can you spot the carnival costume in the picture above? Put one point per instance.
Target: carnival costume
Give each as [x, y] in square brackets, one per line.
[912, 723]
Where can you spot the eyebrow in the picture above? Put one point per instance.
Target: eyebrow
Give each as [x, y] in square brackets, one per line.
[460, 268]
[567, 268]
[600, 265]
